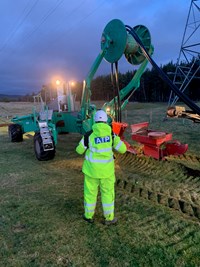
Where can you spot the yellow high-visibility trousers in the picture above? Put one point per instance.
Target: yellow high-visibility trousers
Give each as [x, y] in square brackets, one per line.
[107, 189]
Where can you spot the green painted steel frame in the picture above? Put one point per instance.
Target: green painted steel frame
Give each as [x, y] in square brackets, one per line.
[83, 120]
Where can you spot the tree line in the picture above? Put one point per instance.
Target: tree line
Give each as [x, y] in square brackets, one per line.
[152, 87]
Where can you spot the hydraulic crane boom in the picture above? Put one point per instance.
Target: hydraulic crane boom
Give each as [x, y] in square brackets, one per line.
[115, 42]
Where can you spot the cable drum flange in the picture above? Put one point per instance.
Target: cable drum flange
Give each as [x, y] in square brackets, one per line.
[122, 42]
[116, 32]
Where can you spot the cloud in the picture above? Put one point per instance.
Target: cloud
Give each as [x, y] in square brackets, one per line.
[40, 39]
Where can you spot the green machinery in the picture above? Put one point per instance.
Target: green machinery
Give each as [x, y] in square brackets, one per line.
[116, 40]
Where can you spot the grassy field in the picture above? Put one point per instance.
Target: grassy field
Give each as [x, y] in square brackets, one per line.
[41, 203]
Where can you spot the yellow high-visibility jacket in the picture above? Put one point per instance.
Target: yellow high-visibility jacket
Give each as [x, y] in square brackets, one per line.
[99, 160]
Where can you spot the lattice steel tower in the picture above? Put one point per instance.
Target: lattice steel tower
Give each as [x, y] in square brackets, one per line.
[188, 62]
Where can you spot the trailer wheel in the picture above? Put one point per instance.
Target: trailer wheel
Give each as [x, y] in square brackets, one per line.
[15, 133]
[39, 150]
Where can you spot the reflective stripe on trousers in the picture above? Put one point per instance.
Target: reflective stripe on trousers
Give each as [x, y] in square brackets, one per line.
[89, 208]
[107, 196]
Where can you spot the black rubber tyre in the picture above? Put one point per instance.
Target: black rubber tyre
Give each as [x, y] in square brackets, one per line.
[15, 133]
[39, 150]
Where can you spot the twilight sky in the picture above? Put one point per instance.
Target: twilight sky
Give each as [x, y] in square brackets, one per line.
[42, 40]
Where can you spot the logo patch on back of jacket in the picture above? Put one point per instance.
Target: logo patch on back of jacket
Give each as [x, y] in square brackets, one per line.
[100, 140]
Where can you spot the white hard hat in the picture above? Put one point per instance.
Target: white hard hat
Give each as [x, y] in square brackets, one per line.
[100, 116]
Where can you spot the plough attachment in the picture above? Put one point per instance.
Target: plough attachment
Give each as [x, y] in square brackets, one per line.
[154, 144]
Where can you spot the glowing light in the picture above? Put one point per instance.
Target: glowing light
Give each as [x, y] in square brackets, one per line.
[72, 83]
[58, 82]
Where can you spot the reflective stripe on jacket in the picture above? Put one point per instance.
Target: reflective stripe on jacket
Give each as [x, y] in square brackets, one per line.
[99, 161]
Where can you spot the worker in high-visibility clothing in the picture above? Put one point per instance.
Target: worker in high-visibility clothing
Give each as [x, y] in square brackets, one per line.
[98, 167]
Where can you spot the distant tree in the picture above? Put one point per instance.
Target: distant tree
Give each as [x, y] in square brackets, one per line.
[152, 87]
[5, 99]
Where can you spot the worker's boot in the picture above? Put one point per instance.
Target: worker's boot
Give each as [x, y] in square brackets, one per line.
[111, 222]
[89, 220]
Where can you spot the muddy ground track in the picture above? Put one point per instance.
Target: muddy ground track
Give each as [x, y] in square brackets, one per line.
[173, 182]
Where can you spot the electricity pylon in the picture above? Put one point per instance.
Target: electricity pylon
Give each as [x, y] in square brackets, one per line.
[188, 63]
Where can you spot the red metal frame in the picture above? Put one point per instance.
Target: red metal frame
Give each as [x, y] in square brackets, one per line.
[155, 144]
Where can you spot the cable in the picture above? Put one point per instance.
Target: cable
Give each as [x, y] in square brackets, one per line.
[49, 13]
[19, 25]
[55, 40]
[114, 93]
[92, 11]
[84, 18]
[46, 17]
[182, 96]
[118, 92]
[72, 12]
[15, 26]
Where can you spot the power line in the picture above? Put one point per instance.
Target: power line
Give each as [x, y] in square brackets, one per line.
[44, 19]
[12, 34]
[81, 20]
[85, 17]
[92, 12]
[16, 24]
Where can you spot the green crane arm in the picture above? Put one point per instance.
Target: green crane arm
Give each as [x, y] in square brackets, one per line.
[115, 42]
[86, 95]
[132, 86]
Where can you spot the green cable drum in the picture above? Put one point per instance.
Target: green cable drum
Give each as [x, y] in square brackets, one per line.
[133, 52]
[119, 42]
[115, 32]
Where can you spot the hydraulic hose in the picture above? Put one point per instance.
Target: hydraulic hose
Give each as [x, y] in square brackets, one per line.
[114, 93]
[118, 91]
[174, 88]
[117, 101]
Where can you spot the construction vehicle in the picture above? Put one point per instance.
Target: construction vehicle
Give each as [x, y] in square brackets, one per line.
[182, 112]
[117, 39]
